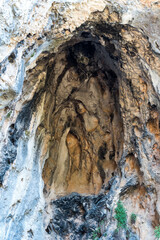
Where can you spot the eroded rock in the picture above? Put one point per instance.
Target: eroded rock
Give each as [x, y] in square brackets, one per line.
[79, 122]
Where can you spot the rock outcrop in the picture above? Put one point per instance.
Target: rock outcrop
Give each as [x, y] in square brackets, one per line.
[79, 119]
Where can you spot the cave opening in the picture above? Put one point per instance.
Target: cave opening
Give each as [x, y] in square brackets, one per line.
[84, 116]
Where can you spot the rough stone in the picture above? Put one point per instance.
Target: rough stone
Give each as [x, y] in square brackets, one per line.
[79, 118]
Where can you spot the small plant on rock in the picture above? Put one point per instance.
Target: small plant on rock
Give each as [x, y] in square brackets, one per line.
[121, 216]
[32, 55]
[157, 232]
[133, 218]
[9, 114]
[96, 234]
[27, 133]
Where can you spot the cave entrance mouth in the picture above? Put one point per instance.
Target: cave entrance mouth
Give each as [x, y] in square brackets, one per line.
[83, 115]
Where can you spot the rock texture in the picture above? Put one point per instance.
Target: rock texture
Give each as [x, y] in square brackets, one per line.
[79, 119]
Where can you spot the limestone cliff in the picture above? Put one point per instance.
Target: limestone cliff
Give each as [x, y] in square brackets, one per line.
[79, 119]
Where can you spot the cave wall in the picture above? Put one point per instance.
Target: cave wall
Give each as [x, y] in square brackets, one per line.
[80, 112]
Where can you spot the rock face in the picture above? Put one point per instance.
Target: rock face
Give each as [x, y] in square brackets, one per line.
[79, 119]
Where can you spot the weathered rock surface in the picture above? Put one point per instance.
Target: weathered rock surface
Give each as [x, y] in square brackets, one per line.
[79, 118]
